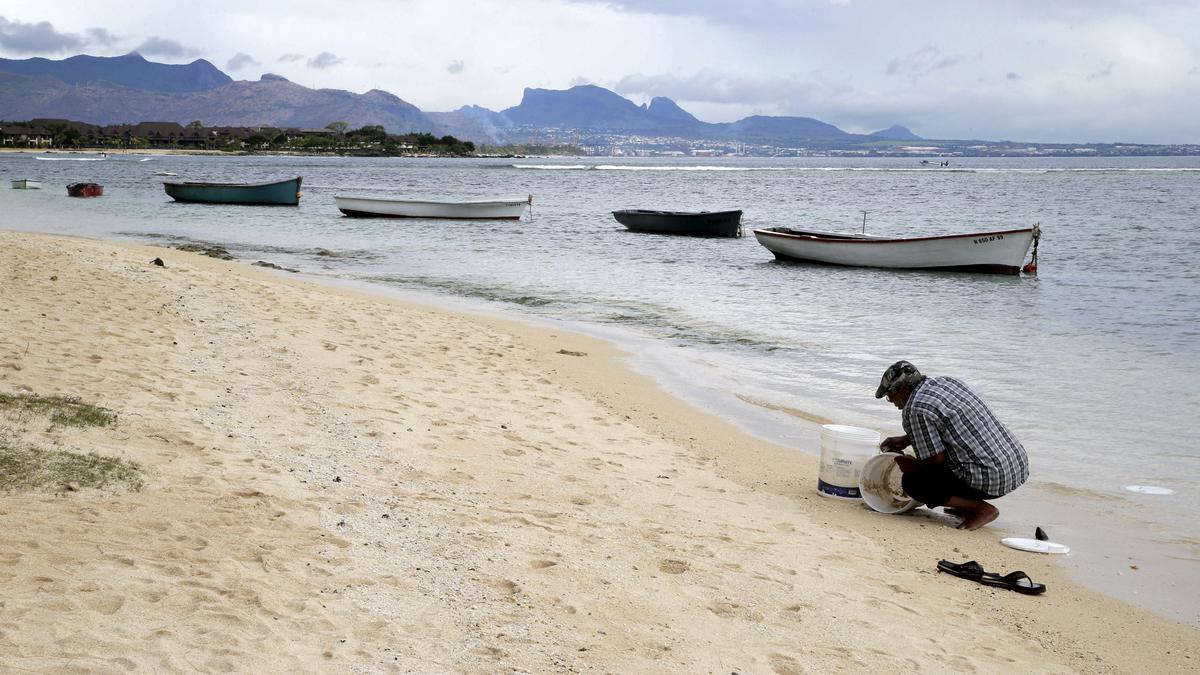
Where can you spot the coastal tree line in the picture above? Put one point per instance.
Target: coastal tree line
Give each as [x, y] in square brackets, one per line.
[335, 138]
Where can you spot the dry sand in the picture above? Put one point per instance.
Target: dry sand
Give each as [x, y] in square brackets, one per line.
[346, 483]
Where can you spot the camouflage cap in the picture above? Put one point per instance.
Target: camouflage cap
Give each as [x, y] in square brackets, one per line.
[899, 374]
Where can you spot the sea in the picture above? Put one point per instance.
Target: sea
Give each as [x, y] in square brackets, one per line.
[1094, 363]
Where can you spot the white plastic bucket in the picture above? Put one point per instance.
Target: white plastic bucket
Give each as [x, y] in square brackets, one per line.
[844, 452]
[880, 485]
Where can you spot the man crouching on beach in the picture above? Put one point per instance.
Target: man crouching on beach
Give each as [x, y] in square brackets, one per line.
[964, 454]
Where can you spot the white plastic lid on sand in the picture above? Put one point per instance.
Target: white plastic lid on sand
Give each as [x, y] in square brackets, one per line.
[1149, 490]
[1034, 546]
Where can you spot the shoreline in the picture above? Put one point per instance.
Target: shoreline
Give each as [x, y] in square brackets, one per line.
[1108, 554]
[559, 508]
[166, 152]
[118, 151]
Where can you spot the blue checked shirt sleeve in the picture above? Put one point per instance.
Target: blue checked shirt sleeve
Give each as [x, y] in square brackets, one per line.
[924, 434]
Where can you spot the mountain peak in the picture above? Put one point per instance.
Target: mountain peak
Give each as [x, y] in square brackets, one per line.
[130, 70]
[581, 106]
[896, 133]
[667, 110]
[272, 77]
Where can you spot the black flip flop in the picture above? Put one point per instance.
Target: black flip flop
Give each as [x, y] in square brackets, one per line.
[970, 570]
[1014, 581]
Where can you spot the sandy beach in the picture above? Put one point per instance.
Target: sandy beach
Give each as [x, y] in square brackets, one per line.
[340, 482]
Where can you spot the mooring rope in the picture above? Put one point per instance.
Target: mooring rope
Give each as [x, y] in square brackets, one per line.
[1031, 268]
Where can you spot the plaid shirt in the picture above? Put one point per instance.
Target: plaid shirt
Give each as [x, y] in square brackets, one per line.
[943, 415]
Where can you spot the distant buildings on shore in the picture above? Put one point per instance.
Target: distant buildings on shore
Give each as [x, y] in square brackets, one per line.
[44, 133]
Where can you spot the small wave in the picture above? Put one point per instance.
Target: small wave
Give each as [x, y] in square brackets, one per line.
[794, 412]
[626, 167]
[1136, 169]
[863, 169]
[467, 289]
[359, 254]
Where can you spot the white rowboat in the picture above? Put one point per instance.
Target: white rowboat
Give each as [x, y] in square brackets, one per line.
[472, 209]
[1000, 252]
[26, 184]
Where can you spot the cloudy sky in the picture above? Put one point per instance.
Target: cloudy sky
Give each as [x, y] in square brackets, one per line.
[1036, 70]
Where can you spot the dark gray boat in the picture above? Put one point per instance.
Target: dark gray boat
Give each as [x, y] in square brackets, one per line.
[689, 223]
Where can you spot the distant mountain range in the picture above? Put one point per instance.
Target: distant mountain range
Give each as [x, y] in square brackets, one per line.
[114, 90]
[129, 88]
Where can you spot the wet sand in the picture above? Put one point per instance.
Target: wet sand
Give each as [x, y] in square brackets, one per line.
[341, 481]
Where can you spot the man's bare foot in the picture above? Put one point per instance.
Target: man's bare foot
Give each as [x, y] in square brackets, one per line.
[979, 517]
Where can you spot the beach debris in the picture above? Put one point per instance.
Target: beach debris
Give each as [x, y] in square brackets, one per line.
[1040, 534]
[271, 265]
[210, 250]
[568, 352]
[54, 277]
[158, 262]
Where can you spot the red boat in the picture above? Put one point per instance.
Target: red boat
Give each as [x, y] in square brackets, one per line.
[85, 190]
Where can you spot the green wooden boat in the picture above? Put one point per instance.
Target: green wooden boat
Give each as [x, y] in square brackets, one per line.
[280, 193]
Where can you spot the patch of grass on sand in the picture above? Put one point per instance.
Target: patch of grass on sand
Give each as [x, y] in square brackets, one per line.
[63, 410]
[30, 469]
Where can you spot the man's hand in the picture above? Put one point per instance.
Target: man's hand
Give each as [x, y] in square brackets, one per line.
[894, 444]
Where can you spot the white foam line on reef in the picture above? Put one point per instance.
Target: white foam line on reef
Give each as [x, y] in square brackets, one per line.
[884, 169]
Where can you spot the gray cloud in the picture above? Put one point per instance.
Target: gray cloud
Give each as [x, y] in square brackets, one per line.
[240, 61]
[711, 86]
[324, 60]
[745, 12]
[101, 36]
[157, 46]
[580, 80]
[455, 67]
[32, 38]
[290, 58]
[1012, 76]
[922, 62]
[1103, 72]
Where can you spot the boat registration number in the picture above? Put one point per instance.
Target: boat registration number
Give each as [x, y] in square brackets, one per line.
[984, 240]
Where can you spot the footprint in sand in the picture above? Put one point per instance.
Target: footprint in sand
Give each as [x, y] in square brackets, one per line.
[785, 665]
[673, 566]
[507, 587]
[541, 564]
[729, 610]
[104, 603]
